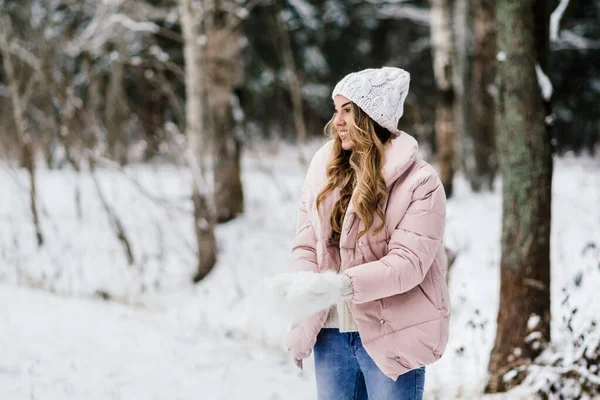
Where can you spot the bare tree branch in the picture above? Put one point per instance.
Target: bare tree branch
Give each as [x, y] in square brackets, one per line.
[115, 221]
[23, 137]
[160, 201]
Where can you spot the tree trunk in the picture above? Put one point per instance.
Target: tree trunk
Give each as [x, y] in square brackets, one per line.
[526, 166]
[224, 74]
[92, 137]
[204, 217]
[116, 108]
[441, 38]
[484, 73]
[70, 131]
[24, 139]
[48, 128]
[294, 82]
[463, 86]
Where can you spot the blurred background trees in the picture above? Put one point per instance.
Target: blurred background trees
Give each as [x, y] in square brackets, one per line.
[108, 76]
[87, 83]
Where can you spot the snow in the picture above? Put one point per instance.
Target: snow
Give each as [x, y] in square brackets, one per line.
[314, 61]
[132, 25]
[408, 12]
[57, 348]
[579, 42]
[334, 12]
[159, 53]
[162, 338]
[555, 18]
[38, 13]
[533, 321]
[544, 82]
[306, 12]
[24, 54]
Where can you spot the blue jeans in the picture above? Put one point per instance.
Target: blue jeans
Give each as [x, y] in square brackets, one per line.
[345, 371]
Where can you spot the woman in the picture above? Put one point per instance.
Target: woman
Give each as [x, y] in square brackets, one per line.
[369, 290]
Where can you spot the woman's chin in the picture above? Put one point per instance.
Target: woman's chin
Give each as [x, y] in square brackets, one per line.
[347, 146]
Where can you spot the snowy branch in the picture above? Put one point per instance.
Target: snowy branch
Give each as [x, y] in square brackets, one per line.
[144, 10]
[4, 91]
[578, 42]
[383, 2]
[132, 25]
[566, 370]
[101, 29]
[24, 55]
[555, 18]
[415, 14]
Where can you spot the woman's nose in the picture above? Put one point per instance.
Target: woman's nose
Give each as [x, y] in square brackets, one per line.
[338, 120]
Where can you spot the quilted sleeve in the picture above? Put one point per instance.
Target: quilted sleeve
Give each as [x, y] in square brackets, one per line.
[412, 247]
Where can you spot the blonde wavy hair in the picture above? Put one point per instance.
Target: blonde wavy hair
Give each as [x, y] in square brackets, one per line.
[357, 170]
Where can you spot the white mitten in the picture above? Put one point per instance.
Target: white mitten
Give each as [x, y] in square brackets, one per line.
[298, 295]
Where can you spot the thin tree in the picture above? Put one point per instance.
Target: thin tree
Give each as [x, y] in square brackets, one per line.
[293, 80]
[191, 12]
[115, 112]
[462, 81]
[441, 38]
[484, 73]
[526, 166]
[224, 74]
[24, 138]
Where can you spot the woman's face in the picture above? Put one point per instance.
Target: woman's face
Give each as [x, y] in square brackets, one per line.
[342, 120]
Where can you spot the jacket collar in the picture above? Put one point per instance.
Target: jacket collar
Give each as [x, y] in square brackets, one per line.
[399, 155]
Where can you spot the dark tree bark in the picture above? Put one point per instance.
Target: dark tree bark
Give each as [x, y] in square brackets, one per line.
[526, 166]
[484, 73]
[293, 79]
[116, 107]
[441, 38]
[463, 85]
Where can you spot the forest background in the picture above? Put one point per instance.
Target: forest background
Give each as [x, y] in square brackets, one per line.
[137, 139]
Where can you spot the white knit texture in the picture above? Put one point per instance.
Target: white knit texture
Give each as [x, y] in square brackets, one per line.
[340, 317]
[379, 92]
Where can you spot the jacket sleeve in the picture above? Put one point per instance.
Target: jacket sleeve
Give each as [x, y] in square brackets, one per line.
[412, 248]
[304, 254]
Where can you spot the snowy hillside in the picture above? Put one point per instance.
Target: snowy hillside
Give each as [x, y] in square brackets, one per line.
[162, 338]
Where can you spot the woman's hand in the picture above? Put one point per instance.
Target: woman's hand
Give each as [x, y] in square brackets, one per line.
[298, 295]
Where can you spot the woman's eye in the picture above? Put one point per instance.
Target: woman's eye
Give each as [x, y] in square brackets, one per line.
[347, 110]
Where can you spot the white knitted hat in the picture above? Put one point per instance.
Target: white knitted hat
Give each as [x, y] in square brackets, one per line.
[380, 92]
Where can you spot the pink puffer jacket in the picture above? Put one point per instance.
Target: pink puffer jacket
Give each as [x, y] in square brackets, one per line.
[400, 304]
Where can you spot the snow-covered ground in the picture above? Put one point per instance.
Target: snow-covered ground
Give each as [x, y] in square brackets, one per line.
[162, 338]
